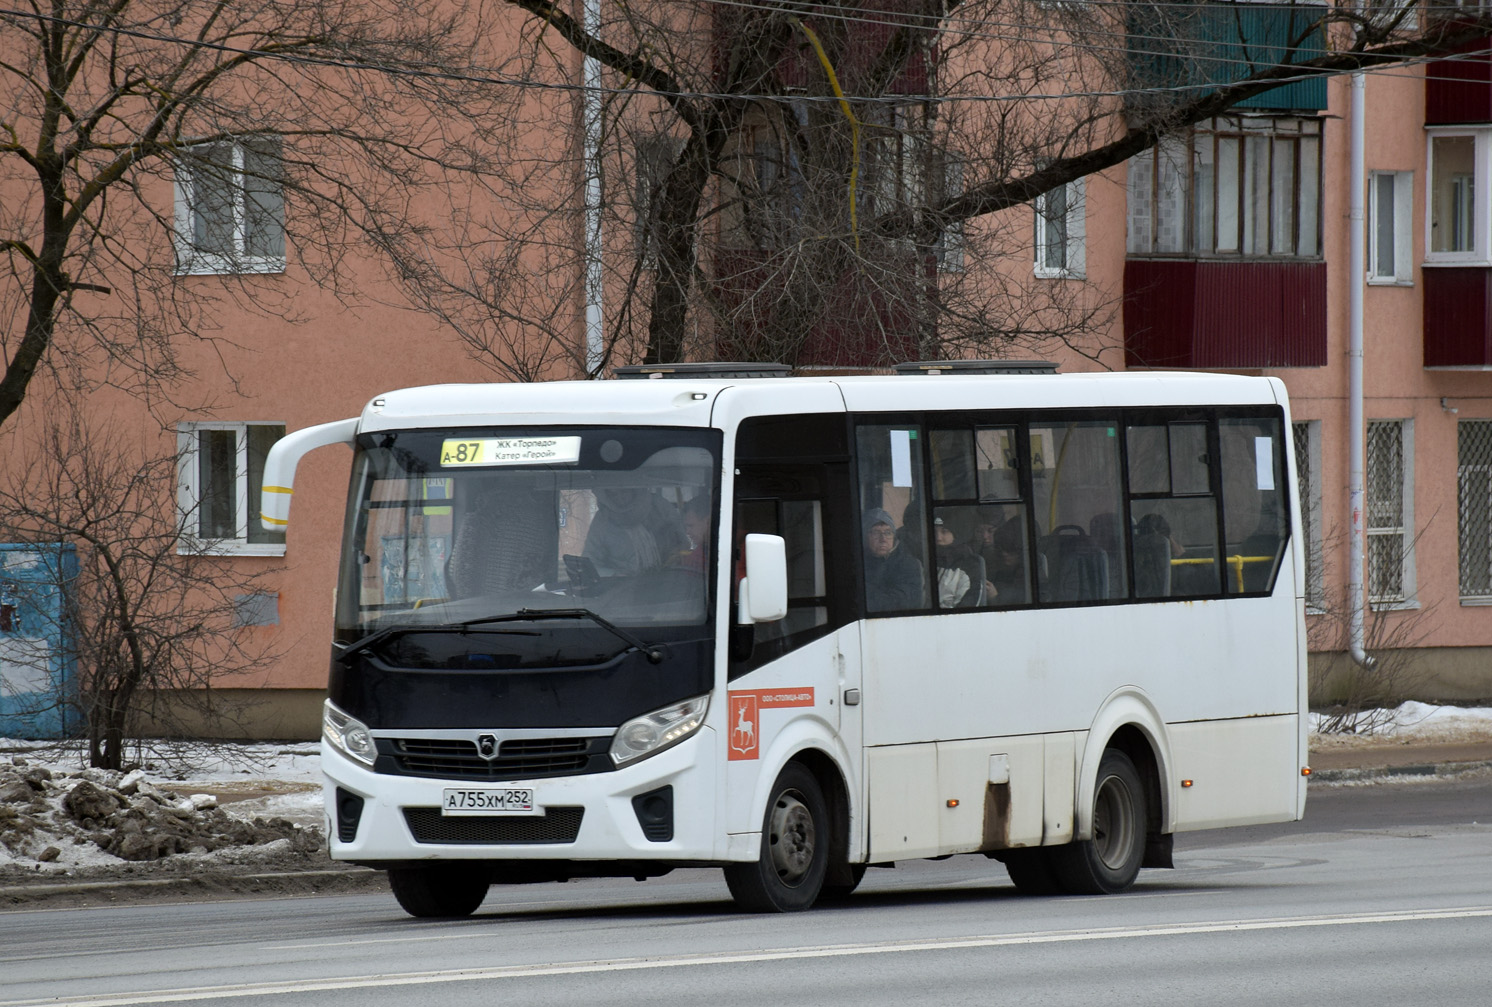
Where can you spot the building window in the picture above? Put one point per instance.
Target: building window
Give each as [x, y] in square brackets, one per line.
[222, 475]
[1308, 491]
[1474, 508]
[230, 208]
[1390, 513]
[1390, 210]
[1060, 231]
[1457, 222]
[1240, 185]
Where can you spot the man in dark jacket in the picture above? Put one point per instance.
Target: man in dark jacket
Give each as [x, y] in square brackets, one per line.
[893, 578]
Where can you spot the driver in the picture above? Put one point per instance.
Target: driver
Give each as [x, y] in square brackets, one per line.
[634, 529]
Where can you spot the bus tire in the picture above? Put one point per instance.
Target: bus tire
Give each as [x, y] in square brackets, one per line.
[444, 890]
[1031, 871]
[1109, 862]
[789, 873]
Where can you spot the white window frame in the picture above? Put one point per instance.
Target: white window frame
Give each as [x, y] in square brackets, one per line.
[1480, 254]
[194, 261]
[1410, 599]
[1173, 191]
[1402, 183]
[1072, 261]
[189, 494]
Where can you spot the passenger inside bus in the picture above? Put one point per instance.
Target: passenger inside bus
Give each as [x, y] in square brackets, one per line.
[960, 571]
[893, 577]
[1005, 564]
[634, 529]
[696, 520]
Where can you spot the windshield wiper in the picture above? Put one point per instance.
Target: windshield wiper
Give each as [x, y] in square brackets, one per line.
[378, 636]
[654, 654]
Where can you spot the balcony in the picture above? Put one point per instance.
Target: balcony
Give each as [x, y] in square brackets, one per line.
[1459, 90]
[1209, 313]
[1458, 317]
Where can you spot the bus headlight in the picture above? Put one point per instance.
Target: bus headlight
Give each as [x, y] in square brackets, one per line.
[653, 732]
[347, 734]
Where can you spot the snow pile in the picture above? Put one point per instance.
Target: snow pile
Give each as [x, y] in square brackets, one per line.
[55, 819]
[1413, 724]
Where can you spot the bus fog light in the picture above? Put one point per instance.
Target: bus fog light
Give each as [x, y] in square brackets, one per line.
[347, 734]
[653, 732]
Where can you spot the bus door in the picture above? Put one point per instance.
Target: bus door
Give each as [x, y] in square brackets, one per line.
[802, 670]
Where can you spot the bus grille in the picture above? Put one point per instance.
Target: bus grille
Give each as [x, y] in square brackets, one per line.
[522, 758]
[559, 825]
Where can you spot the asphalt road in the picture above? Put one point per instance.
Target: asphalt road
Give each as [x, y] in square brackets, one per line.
[1383, 895]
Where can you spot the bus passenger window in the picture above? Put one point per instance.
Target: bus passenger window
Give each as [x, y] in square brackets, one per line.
[893, 537]
[999, 478]
[1075, 472]
[953, 464]
[1175, 515]
[1254, 506]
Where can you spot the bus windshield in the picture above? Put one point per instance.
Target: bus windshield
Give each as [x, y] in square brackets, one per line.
[447, 527]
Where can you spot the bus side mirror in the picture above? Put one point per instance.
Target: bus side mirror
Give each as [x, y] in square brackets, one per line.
[764, 588]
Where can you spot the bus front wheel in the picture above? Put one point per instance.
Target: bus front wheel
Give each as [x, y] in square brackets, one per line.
[1110, 861]
[448, 890]
[789, 873]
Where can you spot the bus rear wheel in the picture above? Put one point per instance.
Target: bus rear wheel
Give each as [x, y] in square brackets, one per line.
[1031, 870]
[438, 890]
[789, 873]
[1109, 862]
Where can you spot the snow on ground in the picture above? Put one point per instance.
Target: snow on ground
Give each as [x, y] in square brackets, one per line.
[182, 805]
[1413, 724]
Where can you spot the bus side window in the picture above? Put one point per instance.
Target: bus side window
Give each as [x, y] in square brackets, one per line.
[999, 523]
[1075, 471]
[893, 532]
[1174, 512]
[1254, 509]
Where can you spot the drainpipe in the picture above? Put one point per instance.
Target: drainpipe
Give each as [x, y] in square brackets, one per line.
[590, 78]
[1357, 432]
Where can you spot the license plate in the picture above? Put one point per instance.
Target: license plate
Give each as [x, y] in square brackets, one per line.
[489, 802]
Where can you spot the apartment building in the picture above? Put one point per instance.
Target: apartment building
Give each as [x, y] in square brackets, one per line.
[1226, 247]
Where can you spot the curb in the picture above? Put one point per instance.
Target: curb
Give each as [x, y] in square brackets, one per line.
[279, 883]
[1423, 769]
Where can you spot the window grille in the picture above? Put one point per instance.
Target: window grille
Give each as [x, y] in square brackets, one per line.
[1308, 491]
[1474, 507]
[1386, 512]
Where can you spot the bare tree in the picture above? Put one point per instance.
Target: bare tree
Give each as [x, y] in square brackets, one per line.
[149, 628]
[303, 130]
[831, 182]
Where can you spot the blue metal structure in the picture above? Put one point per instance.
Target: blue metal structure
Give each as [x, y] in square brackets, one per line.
[36, 666]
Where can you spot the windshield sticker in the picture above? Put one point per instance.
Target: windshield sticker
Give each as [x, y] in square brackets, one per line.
[509, 450]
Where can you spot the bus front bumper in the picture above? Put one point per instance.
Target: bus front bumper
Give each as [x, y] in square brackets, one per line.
[374, 817]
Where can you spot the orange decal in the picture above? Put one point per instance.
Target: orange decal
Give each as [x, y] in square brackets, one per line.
[784, 697]
[743, 718]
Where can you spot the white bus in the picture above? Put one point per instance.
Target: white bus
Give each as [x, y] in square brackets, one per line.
[797, 626]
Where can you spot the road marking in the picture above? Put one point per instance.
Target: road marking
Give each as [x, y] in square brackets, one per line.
[190, 993]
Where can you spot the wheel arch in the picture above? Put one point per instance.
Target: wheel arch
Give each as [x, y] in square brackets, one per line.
[823, 755]
[1129, 722]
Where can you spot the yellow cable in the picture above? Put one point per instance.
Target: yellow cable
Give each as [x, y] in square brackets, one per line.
[849, 114]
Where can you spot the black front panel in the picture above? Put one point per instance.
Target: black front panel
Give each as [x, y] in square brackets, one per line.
[387, 698]
[428, 825]
[515, 758]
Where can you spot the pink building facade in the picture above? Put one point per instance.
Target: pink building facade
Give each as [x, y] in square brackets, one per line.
[1228, 249]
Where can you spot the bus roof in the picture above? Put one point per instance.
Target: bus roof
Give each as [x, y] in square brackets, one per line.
[692, 401]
